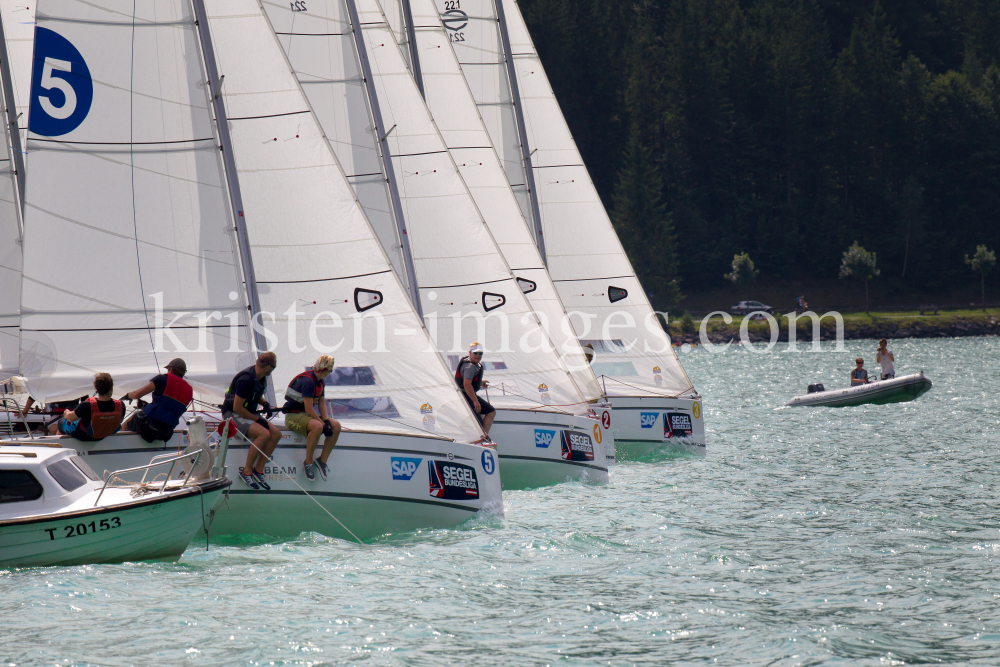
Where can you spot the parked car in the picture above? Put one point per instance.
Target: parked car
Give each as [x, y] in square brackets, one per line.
[744, 307]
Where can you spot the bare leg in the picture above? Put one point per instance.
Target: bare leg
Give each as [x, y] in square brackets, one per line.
[488, 421]
[330, 442]
[315, 429]
[259, 436]
[270, 443]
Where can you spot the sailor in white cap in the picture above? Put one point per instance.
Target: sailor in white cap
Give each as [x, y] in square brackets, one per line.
[469, 377]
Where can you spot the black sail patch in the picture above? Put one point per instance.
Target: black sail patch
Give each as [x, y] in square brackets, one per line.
[365, 299]
[616, 293]
[493, 301]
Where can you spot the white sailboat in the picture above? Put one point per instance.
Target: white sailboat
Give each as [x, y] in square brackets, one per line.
[130, 229]
[653, 398]
[424, 39]
[344, 54]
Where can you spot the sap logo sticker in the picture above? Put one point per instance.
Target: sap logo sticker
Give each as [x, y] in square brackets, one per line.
[404, 467]
[648, 419]
[544, 438]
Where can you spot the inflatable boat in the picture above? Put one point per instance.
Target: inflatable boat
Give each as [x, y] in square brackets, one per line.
[895, 390]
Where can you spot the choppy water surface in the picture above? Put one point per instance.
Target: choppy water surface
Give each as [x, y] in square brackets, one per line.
[860, 536]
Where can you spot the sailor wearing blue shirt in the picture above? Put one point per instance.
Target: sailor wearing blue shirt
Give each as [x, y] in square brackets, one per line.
[305, 414]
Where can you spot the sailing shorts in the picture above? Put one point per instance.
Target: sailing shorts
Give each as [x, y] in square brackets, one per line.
[484, 406]
[298, 422]
[243, 425]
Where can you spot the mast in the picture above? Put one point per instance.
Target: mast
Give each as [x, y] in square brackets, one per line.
[529, 173]
[411, 37]
[383, 136]
[13, 132]
[235, 197]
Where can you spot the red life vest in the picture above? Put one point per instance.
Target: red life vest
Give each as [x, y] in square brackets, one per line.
[103, 424]
[168, 407]
[476, 381]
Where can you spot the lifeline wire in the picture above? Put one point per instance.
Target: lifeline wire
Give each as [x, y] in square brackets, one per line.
[304, 491]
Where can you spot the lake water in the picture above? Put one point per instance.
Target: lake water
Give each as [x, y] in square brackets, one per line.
[853, 536]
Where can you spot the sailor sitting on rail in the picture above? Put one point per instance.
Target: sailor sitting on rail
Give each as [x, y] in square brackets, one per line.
[302, 399]
[469, 377]
[245, 394]
[859, 375]
[171, 396]
[95, 418]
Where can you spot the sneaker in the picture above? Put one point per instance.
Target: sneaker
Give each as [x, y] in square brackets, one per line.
[259, 476]
[310, 470]
[324, 469]
[249, 481]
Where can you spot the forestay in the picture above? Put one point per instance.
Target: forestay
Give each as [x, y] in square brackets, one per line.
[320, 268]
[10, 257]
[583, 254]
[457, 117]
[127, 224]
[467, 291]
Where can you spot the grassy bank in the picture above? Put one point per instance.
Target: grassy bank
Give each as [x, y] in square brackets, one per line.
[944, 324]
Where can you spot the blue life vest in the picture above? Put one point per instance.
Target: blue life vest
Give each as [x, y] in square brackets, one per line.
[168, 407]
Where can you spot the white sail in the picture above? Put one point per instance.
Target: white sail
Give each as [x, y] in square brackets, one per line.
[312, 248]
[129, 255]
[457, 117]
[583, 254]
[466, 288]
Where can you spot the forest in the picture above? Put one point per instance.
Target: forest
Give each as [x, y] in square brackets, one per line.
[786, 129]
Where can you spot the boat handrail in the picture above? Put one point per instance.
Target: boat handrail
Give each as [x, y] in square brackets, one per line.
[23, 416]
[173, 463]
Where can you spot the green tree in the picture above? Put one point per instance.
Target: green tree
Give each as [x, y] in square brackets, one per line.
[982, 263]
[858, 263]
[744, 271]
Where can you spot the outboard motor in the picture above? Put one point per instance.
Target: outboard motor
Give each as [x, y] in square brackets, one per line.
[814, 388]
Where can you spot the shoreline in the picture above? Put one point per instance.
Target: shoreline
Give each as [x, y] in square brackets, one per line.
[855, 328]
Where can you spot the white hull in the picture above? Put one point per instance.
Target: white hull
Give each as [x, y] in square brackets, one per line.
[531, 445]
[361, 490]
[638, 424]
[158, 528]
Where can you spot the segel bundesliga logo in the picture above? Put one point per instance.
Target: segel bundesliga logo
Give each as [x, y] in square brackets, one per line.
[404, 467]
[577, 446]
[648, 419]
[453, 481]
[544, 438]
[676, 425]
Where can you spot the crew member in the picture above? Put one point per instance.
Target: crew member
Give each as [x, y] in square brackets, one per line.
[304, 395]
[859, 375]
[885, 357]
[244, 396]
[469, 376]
[95, 418]
[171, 397]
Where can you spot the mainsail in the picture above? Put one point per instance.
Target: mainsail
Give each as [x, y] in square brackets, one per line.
[129, 255]
[320, 268]
[467, 291]
[457, 117]
[583, 254]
